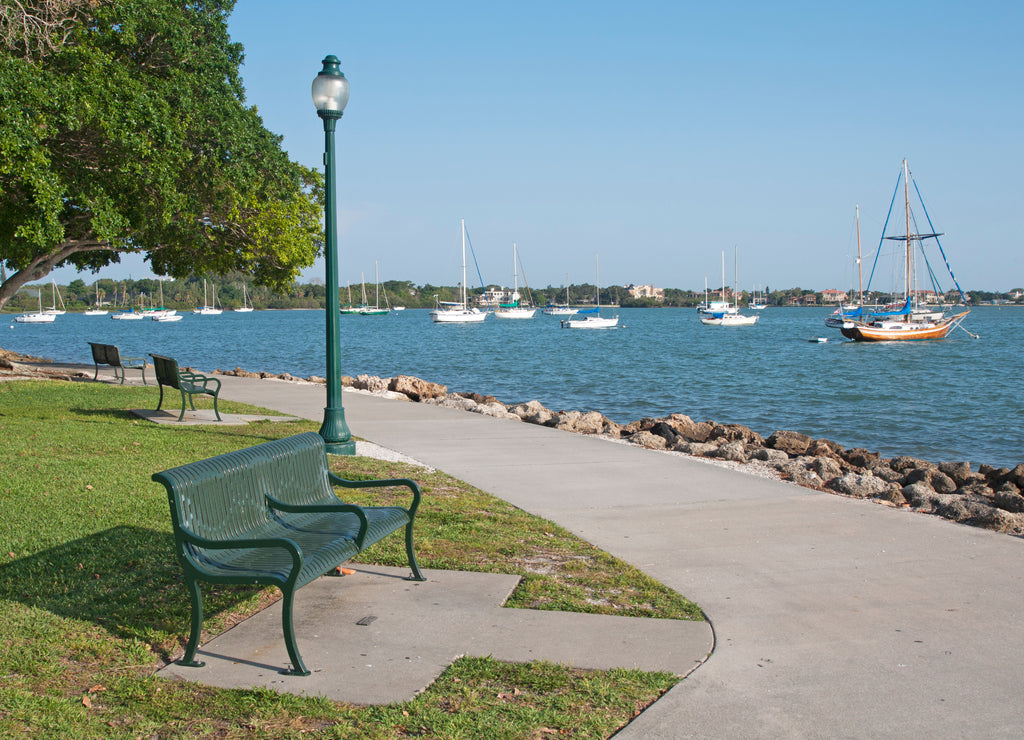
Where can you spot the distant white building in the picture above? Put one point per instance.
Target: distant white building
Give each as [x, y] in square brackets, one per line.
[833, 296]
[646, 291]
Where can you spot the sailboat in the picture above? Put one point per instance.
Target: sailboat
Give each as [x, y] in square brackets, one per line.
[375, 309]
[907, 319]
[564, 309]
[53, 310]
[42, 317]
[246, 306]
[162, 314]
[128, 313]
[208, 309]
[97, 311]
[855, 310]
[729, 314]
[593, 318]
[514, 310]
[452, 312]
[755, 303]
[348, 307]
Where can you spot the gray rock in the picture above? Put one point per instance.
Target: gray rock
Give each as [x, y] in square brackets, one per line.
[793, 443]
[826, 467]
[734, 451]
[860, 485]
[648, 440]
[769, 455]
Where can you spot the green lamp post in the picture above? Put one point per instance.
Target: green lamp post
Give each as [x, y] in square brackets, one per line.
[330, 95]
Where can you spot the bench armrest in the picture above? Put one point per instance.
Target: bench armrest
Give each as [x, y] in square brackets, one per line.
[324, 508]
[198, 379]
[410, 484]
[130, 361]
[243, 544]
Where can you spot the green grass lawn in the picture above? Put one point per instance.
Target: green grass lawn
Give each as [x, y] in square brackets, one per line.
[92, 601]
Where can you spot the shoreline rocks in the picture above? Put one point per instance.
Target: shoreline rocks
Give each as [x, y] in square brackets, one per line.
[989, 497]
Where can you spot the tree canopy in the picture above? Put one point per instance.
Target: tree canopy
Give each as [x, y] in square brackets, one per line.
[125, 129]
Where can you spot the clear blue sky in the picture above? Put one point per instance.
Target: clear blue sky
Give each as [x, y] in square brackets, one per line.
[655, 134]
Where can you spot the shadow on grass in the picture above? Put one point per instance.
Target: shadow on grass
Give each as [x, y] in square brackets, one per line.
[126, 579]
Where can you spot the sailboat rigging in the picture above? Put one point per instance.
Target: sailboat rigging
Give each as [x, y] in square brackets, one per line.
[458, 312]
[514, 309]
[593, 318]
[907, 318]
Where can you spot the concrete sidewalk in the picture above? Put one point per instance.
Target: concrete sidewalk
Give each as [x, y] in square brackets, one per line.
[832, 617]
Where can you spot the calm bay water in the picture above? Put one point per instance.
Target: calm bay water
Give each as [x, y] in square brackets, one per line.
[958, 399]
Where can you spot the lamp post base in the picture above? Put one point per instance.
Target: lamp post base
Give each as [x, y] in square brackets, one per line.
[337, 437]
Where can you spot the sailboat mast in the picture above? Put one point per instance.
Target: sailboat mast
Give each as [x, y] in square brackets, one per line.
[860, 271]
[376, 283]
[735, 273]
[463, 224]
[906, 196]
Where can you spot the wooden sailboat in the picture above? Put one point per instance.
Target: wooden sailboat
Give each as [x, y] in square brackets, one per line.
[906, 320]
[458, 312]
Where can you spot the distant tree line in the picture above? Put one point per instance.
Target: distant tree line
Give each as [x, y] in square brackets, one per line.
[234, 287]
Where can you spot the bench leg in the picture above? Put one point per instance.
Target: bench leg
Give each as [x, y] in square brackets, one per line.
[97, 375]
[161, 403]
[215, 411]
[189, 659]
[182, 415]
[416, 574]
[118, 375]
[298, 667]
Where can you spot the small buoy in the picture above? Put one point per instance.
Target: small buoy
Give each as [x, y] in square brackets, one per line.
[822, 340]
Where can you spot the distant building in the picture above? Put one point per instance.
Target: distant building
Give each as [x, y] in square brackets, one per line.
[833, 296]
[646, 291]
[810, 299]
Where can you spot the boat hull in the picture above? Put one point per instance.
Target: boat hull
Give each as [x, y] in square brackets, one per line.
[591, 322]
[35, 318]
[458, 316]
[515, 313]
[734, 319]
[895, 331]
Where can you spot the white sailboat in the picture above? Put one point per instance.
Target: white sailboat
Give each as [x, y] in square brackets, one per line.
[452, 312]
[246, 306]
[41, 317]
[729, 315]
[514, 310]
[208, 309]
[162, 314]
[375, 309]
[128, 313]
[97, 311]
[53, 310]
[592, 318]
[564, 309]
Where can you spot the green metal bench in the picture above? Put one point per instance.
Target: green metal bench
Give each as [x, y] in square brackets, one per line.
[268, 515]
[108, 354]
[189, 384]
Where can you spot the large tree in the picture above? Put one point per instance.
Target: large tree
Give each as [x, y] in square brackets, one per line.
[124, 128]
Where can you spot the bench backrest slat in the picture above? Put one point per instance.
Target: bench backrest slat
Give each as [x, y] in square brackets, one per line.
[166, 370]
[224, 497]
